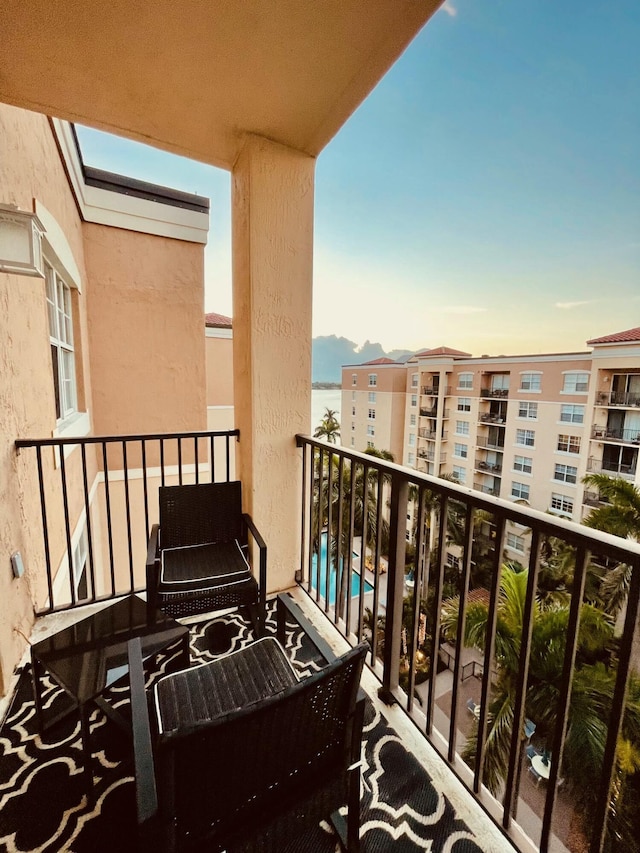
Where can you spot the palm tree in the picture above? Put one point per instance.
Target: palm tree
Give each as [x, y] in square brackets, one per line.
[592, 687]
[329, 427]
[621, 514]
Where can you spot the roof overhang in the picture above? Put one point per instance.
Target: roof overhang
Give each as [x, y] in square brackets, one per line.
[195, 77]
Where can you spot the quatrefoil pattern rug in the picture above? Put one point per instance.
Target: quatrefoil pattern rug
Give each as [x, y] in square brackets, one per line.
[43, 804]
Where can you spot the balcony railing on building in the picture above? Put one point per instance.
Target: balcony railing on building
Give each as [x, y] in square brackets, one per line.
[494, 392]
[490, 467]
[604, 466]
[618, 398]
[490, 442]
[434, 390]
[403, 623]
[628, 436]
[492, 419]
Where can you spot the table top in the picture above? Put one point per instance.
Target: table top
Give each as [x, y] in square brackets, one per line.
[88, 656]
[540, 767]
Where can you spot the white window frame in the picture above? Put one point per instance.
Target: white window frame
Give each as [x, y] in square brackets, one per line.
[372, 396]
[573, 384]
[372, 414]
[572, 413]
[371, 430]
[459, 473]
[412, 420]
[353, 411]
[465, 380]
[515, 542]
[411, 458]
[462, 427]
[373, 380]
[528, 410]
[60, 313]
[531, 381]
[523, 464]
[525, 438]
[564, 438]
[461, 451]
[520, 491]
[464, 404]
[414, 400]
[561, 504]
[564, 473]
[354, 378]
[414, 380]
[412, 439]
[370, 444]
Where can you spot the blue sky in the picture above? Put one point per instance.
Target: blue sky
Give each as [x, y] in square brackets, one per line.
[485, 196]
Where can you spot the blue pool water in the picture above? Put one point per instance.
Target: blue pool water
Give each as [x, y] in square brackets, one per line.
[355, 576]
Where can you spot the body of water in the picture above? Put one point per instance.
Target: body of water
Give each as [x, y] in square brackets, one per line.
[321, 400]
[355, 576]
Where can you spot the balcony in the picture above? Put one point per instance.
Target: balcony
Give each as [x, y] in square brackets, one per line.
[434, 390]
[489, 467]
[486, 489]
[492, 419]
[429, 413]
[403, 661]
[608, 434]
[493, 393]
[592, 499]
[618, 398]
[619, 469]
[490, 442]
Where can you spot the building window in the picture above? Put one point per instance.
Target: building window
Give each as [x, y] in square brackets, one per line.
[371, 430]
[411, 458]
[373, 380]
[372, 414]
[353, 396]
[530, 381]
[528, 410]
[354, 378]
[523, 463]
[566, 473]
[452, 561]
[414, 399]
[459, 474]
[460, 450]
[414, 380]
[500, 382]
[562, 504]
[465, 380]
[79, 560]
[576, 383]
[412, 420]
[516, 543]
[462, 427]
[353, 426]
[353, 411]
[569, 443]
[525, 437]
[372, 396]
[61, 338]
[572, 414]
[520, 491]
[370, 444]
[412, 439]
[353, 441]
[464, 404]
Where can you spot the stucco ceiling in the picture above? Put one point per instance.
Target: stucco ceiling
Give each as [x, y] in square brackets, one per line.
[193, 76]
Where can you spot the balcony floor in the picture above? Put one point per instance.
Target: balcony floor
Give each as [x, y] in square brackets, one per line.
[411, 800]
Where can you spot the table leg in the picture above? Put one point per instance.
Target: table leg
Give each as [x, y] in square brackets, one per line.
[86, 751]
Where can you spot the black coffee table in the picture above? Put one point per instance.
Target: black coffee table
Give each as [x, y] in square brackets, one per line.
[85, 659]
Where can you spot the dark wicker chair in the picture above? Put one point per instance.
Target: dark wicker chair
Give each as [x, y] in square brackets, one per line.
[248, 758]
[198, 556]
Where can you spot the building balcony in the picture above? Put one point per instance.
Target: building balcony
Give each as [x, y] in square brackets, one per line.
[430, 719]
[429, 413]
[493, 393]
[488, 467]
[490, 443]
[618, 399]
[434, 390]
[592, 499]
[498, 420]
[487, 489]
[615, 469]
[608, 434]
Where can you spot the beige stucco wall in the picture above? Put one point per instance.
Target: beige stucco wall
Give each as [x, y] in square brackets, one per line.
[145, 309]
[27, 407]
[219, 368]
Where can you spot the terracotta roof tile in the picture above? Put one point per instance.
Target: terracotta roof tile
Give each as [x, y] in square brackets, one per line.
[217, 321]
[618, 337]
[443, 351]
[381, 361]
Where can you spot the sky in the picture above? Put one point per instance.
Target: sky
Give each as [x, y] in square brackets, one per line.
[485, 196]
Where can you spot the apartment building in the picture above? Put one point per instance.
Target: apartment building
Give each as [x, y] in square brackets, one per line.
[525, 428]
[373, 405]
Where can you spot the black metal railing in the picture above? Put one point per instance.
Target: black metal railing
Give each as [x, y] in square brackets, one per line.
[98, 500]
[490, 467]
[494, 392]
[604, 466]
[618, 398]
[434, 390]
[356, 523]
[629, 436]
[499, 420]
[490, 443]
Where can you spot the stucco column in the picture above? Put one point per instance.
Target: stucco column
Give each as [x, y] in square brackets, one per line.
[272, 219]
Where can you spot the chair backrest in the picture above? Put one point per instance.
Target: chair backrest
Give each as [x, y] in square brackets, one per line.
[200, 513]
[242, 770]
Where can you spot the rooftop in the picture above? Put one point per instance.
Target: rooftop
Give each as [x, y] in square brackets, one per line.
[217, 321]
[628, 336]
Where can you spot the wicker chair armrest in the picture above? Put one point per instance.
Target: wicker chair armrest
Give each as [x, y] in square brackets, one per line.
[146, 794]
[262, 547]
[287, 607]
[153, 549]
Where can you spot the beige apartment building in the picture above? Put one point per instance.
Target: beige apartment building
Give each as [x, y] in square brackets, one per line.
[526, 428]
[373, 405]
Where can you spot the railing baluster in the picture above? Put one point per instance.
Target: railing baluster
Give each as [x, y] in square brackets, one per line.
[341, 557]
[127, 504]
[67, 526]
[87, 511]
[437, 610]
[346, 581]
[145, 488]
[195, 458]
[329, 540]
[415, 612]
[363, 549]
[179, 461]
[376, 571]
[162, 462]
[312, 487]
[228, 458]
[107, 497]
[45, 527]
[213, 459]
[320, 520]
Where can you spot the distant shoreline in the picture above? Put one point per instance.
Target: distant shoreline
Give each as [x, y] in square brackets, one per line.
[325, 386]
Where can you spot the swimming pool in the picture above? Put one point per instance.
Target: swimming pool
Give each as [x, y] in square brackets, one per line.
[355, 576]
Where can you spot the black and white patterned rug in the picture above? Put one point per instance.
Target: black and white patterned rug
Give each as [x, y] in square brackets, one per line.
[43, 804]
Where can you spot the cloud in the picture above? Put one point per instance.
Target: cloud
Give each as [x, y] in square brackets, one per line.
[567, 306]
[450, 9]
[461, 309]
